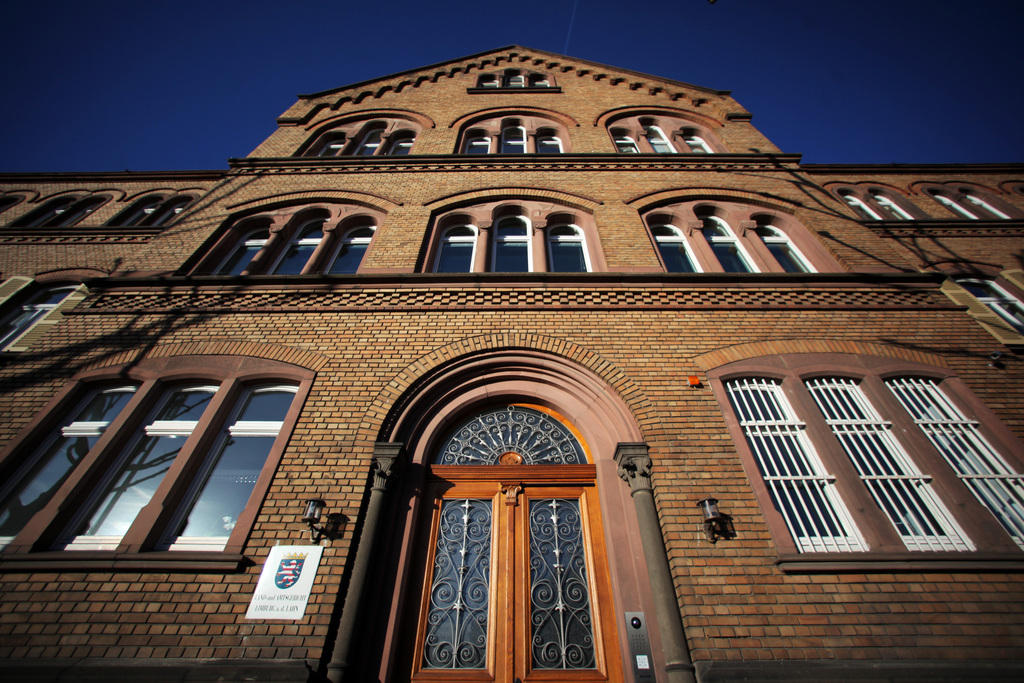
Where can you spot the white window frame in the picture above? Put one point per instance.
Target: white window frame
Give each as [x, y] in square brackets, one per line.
[729, 238]
[776, 444]
[244, 245]
[235, 428]
[578, 237]
[32, 312]
[371, 139]
[548, 137]
[1000, 302]
[624, 140]
[74, 428]
[448, 238]
[981, 203]
[402, 139]
[653, 133]
[960, 442]
[507, 141]
[348, 240]
[952, 204]
[677, 237]
[860, 206]
[697, 144]
[515, 80]
[886, 203]
[777, 236]
[497, 240]
[477, 139]
[892, 478]
[299, 241]
[488, 81]
[178, 428]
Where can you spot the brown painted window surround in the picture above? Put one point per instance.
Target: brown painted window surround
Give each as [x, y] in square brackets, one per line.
[719, 236]
[323, 238]
[362, 137]
[153, 210]
[661, 133]
[61, 211]
[161, 464]
[864, 463]
[878, 204]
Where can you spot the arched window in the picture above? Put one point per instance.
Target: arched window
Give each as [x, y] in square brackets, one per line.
[457, 250]
[548, 142]
[567, 250]
[515, 79]
[513, 138]
[243, 254]
[952, 205]
[351, 249]
[513, 248]
[889, 206]
[539, 81]
[301, 248]
[62, 211]
[656, 138]
[780, 246]
[674, 250]
[976, 201]
[662, 133]
[329, 145]
[9, 200]
[726, 248]
[370, 142]
[624, 143]
[477, 142]
[858, 205]
[153, 210]
[488, 81]
[400, 143]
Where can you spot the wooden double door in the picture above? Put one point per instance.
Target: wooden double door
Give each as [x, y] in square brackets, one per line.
[512, 581]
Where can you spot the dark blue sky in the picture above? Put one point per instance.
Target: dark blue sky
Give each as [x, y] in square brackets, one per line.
[114, 85]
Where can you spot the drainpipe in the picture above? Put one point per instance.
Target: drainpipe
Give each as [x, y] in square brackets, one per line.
[635, 469]
[384, 457]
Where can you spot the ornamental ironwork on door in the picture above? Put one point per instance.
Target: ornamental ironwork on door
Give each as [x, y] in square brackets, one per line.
[514, 584]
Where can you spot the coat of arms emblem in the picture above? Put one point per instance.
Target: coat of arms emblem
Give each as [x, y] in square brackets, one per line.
[289, 569]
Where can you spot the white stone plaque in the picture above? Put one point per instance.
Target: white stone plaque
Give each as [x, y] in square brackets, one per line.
[285, 582]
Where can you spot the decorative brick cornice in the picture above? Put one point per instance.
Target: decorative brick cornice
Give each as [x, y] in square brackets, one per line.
[947, 228]
[447, 163]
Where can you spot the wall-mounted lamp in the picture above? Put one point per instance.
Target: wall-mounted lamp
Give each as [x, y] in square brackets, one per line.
[716, 525]
[330, 529]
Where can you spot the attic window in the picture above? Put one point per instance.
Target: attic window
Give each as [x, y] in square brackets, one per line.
[519, 80]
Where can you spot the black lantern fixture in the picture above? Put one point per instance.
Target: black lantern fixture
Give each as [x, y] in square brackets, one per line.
[716, 525]
[314, 513]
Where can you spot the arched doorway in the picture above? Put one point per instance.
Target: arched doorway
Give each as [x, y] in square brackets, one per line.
[511, 574]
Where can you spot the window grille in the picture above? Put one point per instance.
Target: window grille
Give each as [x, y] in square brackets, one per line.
[967, 451]
[899, 489]
[802, 491]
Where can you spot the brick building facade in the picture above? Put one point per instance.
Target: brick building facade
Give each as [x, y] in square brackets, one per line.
[607, 288]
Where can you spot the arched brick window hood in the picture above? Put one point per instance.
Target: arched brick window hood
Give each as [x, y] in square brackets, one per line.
[662, 131]
[384, 133]
[514, 131]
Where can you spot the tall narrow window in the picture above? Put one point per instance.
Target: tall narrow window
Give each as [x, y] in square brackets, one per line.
[658, 141]
[859, 206]
[548, 142]
[477, 142]
[139, 211]
[512, 246]
[370, 142]
[952, 205]
[330, 145]
[725, 246]
[226, 479]
[243, 254]
[696, 144]
[351, 250]
[20, 320]
[783, 249]
[800, 488]
[513, 140]
[456, 252]
[896, 485]
[301, 248]
[53, 213]
[1007, 307]
[624, 144]
[958, 438]
[675, 252]
[32, 486]
[131, 481]
[890, 207]
[985, 206]
[400, 143]
[567, 250]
